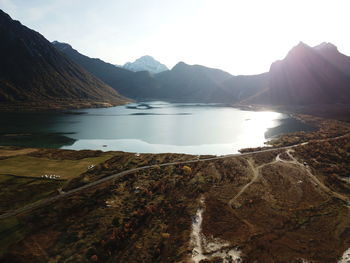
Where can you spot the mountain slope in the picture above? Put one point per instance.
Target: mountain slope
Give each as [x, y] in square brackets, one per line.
[32, 71]
[146, 63]
[137, 85]
[193, 83]
[304, 77]
[330, 53]
[243, 87]
[183, 83]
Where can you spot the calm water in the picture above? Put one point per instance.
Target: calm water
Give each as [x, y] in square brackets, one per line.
[155, 127]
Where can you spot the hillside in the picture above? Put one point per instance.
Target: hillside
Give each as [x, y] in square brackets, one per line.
[243, 87]
[193, 83]
[331, 54]
[33, 72]
[136, 85]
[304, 77]
[182, 83]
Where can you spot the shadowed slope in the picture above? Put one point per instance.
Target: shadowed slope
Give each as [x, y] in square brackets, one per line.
[137, 85]
[32, 70]
[193, 83]
[304, 77]
[330, 53]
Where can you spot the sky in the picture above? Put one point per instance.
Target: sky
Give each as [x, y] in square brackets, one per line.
[241, 37]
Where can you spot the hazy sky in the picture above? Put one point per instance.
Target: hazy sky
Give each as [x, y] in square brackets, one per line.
[241, 37]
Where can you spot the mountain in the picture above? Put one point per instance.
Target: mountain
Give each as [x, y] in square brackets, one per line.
[330, 53]
[136, 85]
[146, 63]
[182, 83]
[32, 71]
[193, 83]
[305, 77]
[245, 86]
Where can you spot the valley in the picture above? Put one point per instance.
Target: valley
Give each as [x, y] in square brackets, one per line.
[104, 163]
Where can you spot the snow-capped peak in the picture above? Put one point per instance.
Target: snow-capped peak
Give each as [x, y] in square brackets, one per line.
[146, 63]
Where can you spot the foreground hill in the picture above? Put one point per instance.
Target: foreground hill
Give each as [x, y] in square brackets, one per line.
[33, 72]
[136, 85]
[146, 63]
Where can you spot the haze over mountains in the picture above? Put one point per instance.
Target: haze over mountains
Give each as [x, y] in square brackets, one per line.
[32, 69]
[137, 85]
[308, 76]
[330, 53]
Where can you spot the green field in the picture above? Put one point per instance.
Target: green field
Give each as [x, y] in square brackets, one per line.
[25, 165]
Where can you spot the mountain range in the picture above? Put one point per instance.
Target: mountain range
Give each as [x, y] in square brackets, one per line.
[136, 85]
[318, 75]
[34, 70]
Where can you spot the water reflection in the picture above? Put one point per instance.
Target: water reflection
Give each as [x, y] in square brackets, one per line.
[153, 127]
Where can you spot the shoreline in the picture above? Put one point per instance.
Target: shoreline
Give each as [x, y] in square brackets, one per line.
[58, 105]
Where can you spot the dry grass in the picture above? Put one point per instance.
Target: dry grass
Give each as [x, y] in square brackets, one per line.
[8, 153]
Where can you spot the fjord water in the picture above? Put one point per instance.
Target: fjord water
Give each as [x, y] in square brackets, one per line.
[152, 127]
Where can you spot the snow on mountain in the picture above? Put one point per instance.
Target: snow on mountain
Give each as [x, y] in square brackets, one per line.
[146, 63]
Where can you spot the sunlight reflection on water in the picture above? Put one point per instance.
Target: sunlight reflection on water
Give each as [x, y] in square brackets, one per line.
[185, 128]
[157, 127]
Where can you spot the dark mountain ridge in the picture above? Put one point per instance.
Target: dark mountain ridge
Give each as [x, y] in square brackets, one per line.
[32, 71]
[137, 85]
[183, 83]
[304, 77]
[192, 83]
[331, 53]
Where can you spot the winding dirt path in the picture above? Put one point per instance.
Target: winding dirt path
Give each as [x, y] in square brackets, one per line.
[313, 178]
[233, 204]
[256, 175]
